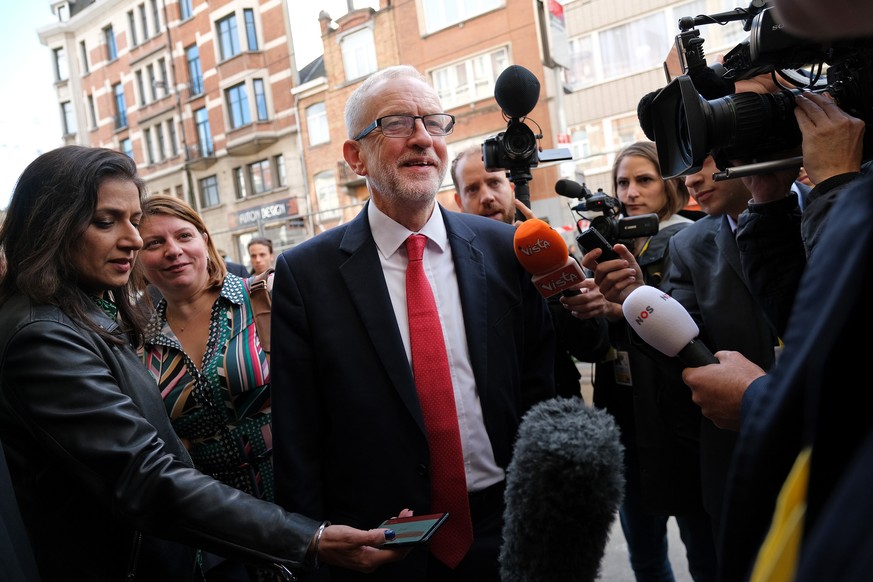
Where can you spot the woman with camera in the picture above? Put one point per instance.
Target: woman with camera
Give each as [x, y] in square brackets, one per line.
[659, 423]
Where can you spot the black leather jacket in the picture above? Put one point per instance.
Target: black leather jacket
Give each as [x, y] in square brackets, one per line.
[99, 473]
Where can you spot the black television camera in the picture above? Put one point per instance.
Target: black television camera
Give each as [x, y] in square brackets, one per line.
[516, 150]
[697, 114]
[614, 228]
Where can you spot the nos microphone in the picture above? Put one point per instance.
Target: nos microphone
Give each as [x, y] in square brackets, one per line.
[563, 488]
[544, 254]
[516, 90]
[663, 323]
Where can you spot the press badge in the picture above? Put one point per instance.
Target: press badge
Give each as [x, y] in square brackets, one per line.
[621, 368]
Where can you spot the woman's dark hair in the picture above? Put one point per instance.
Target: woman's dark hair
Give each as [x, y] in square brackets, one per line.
[51, 207]
[261, 240]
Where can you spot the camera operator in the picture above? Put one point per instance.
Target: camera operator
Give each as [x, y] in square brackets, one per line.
[660, 425]
[801, 439]
[492, 195]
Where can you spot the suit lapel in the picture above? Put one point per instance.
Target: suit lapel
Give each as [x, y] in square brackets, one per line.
[362, 273]
[473, 288]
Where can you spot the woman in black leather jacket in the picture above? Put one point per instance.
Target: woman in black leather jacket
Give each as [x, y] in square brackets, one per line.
[106, 489]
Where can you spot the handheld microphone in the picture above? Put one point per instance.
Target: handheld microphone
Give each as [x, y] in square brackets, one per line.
[664, 324]
[517, 91]
[564, 485]
[544, 254]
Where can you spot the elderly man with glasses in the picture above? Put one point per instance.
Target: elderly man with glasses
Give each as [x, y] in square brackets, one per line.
[368, 411]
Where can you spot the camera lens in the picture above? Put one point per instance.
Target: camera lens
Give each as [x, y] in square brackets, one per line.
[519, 142]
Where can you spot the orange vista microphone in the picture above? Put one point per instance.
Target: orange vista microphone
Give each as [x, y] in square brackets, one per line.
[544, 254]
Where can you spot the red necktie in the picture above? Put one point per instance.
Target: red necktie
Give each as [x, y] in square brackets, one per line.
[430, 365]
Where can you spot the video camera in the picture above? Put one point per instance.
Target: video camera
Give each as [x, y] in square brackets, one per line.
[516, 150]
[697, 114]
[614, 228]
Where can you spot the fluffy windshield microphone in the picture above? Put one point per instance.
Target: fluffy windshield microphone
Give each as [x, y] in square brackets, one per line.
[644, 114]
[563, 488]
[516, 91]
[663, 323]
[544, 254]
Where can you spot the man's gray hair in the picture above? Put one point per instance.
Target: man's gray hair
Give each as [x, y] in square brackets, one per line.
[356, 105]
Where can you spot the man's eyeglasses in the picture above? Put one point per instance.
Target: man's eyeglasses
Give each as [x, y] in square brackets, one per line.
[436, 124]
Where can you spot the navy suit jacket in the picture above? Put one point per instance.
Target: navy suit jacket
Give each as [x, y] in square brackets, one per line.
[706, 276]
[812, 397]
[349, 437]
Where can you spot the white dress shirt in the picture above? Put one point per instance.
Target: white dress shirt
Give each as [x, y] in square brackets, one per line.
[390, 236]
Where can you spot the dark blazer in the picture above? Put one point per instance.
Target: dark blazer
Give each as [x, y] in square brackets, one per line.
[812, 397]
[349, 438]
[237, 269]
[705, 275]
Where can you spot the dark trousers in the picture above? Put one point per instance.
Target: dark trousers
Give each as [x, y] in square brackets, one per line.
[646, 536]
[481, 562]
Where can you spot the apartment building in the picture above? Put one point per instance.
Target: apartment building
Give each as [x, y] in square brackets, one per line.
[617, 49]
[199, 94]
[208, 99]
[461, 47]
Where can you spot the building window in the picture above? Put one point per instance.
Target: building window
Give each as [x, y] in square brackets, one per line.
[92, 109]
[328, 200]
[153, 81]
[120, 106]
[68, 118]
[131, 25]
[209, 192]
[62, 71]
[194, 72]
[228, 37]
[281, 175]
[159, 141]
[171, 133]
[260, 99]
[83, 55]
[470, 80]
[127, 147]
[156, 15]
[144, 19]
[186, 9]
[316, 123]
[238, 106]
[111, 48]
[239, 183]
[261, 176]
[439, 14]
[251, 32]
[204, 133]
[359, 54]
[140, 86]
[149, 146]
[163, 80]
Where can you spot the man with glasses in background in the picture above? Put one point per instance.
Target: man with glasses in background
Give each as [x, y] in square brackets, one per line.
[355, 429]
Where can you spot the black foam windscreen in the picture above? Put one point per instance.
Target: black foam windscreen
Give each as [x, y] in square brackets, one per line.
[517, 91]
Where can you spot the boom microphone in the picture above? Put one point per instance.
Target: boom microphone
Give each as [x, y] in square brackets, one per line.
[544, 254]
[571, 189]
[564, 485]
[663, 323]
[516, 91]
